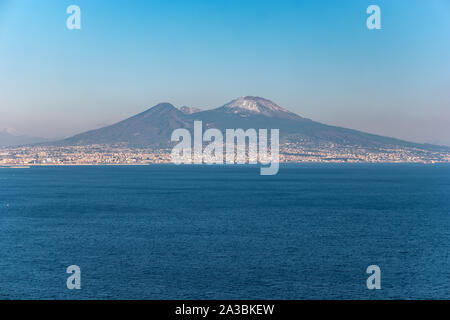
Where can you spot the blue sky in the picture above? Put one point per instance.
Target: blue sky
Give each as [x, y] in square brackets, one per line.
[316, 58]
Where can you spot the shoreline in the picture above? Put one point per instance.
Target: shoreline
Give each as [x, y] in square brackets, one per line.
[28, 166]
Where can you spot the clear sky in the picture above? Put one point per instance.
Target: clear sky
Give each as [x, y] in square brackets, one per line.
[316, 58]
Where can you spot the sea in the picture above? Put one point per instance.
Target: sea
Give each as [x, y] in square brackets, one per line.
[225, 232]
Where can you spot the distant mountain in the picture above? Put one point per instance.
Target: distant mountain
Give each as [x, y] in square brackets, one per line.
[153, 128]
[10, 138]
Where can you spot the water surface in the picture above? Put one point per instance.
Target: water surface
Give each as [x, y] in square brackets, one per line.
[220, 232]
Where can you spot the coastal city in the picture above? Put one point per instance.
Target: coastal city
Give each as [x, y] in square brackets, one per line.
[123, 155]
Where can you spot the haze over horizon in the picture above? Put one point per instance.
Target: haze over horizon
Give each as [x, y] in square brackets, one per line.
[315, 59]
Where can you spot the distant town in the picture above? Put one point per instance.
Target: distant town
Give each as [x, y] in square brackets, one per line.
[122, 155]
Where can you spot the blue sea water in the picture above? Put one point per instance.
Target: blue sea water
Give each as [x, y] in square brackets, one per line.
[225, 232]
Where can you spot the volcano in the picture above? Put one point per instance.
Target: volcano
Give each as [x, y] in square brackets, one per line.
[153, 127]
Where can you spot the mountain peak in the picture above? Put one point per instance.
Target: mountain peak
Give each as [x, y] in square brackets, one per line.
[164, 109]
[162, 106]
[253, 104]
[258, 106]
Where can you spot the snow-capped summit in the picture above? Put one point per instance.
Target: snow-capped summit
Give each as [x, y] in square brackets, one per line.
[257, 105]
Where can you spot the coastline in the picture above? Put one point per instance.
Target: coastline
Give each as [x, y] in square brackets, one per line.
[28, 166]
